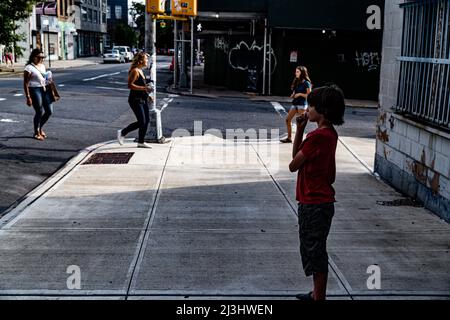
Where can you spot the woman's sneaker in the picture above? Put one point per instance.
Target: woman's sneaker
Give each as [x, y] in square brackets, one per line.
[120, 137]
[144, 145]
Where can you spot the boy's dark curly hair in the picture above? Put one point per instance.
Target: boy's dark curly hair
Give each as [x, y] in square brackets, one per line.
[329, 101]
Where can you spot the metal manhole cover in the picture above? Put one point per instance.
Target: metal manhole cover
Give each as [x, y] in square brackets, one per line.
[401, 203]
[110, 158]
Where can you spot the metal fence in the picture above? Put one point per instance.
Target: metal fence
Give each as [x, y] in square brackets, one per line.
[425, 62]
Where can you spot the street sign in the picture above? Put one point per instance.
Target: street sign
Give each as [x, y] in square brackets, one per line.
[293, 56]
[184, 7]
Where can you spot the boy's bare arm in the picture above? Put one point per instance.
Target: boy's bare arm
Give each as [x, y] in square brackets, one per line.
[301, 125]
[297, 163]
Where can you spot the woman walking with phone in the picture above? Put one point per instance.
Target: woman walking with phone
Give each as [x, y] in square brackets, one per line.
[138, 100]
[301, 87]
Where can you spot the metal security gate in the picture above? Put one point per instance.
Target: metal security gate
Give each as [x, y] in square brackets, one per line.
[425, 62]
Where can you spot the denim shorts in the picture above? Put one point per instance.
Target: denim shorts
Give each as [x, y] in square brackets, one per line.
[314, 221]
[299, 107]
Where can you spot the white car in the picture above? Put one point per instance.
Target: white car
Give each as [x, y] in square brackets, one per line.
[126, 51]
[113, 56]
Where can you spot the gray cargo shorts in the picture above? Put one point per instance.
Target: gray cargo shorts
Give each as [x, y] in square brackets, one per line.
[314, 221]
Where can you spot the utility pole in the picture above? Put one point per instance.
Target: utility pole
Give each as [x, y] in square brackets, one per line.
[148, 32]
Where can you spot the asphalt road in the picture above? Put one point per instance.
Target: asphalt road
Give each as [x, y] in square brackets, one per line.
[94, 105]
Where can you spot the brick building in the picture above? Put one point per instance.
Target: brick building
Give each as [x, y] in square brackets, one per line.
[413, 139]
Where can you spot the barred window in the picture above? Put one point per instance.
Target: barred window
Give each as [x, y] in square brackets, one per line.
[423, 91]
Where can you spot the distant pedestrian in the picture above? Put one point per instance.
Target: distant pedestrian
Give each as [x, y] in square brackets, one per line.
[9, 58]
[314, 159]
[34, 82]
[138, 100]
[300, 88]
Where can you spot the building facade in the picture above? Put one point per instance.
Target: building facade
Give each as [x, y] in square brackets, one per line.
[338, 41]
[91, 33]
[413, 138]
[117, 13]
[65, 29]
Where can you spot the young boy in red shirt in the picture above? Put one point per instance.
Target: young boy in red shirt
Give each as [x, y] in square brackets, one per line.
[314, 159]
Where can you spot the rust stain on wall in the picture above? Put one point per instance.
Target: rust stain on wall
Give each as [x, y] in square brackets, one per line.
[385, 152]
[382, 135]
[420, 170]
[434, 183]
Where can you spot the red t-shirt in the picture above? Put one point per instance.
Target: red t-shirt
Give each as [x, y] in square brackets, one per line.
[318, 172]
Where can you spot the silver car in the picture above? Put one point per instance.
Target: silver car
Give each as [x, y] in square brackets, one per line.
[113, 56]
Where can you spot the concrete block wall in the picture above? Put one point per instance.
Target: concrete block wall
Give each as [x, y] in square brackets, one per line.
[412, 157]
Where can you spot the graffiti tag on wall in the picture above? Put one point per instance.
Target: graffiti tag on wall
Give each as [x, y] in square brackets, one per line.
[221, 44]
[242, 55]
[369, 60]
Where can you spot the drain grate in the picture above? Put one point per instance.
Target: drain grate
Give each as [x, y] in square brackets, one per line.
[110, 158]
[401, 203]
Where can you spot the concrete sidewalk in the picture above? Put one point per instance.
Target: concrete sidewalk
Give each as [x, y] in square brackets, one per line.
[56, 65]
[203, 218]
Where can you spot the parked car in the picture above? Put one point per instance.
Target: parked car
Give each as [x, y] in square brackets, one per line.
[113, 56]
[126, 51]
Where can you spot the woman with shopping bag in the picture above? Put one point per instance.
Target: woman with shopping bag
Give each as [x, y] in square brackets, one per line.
[35, 80]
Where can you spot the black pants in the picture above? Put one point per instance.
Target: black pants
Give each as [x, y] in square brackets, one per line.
[140, 109]
[314, 221]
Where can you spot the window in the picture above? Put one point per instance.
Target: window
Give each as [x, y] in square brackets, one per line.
[84, 13]
[94, 16]
[108, 12]
[95, 3]
[90, 15]
[103, 17]
[118, 12]
[423, 91]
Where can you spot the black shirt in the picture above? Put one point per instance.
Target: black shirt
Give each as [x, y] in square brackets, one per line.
[301, 88]
[138, 94]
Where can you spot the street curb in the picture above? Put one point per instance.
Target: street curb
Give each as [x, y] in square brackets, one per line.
[5, 74]
[56, 178]
[256, 98]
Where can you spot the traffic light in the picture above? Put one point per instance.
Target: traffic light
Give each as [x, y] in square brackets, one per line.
[156, 6]
[184, 7]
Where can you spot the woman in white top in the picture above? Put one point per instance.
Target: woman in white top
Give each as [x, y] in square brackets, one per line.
[35, 78]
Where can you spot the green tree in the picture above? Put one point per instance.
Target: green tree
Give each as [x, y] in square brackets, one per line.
[12, 11]
[138, 13]
[164, 35]
[124, 35]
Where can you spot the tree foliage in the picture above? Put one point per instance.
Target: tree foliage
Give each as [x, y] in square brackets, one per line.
[124, 35]
[12, 11]
[138, 13]
[164, 36]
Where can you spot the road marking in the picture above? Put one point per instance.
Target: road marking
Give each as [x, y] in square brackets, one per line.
[102, 76]
[279, 109]
[8, 120]
[166, 103]
[18, 95]
[109, 88]
[61, 85]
